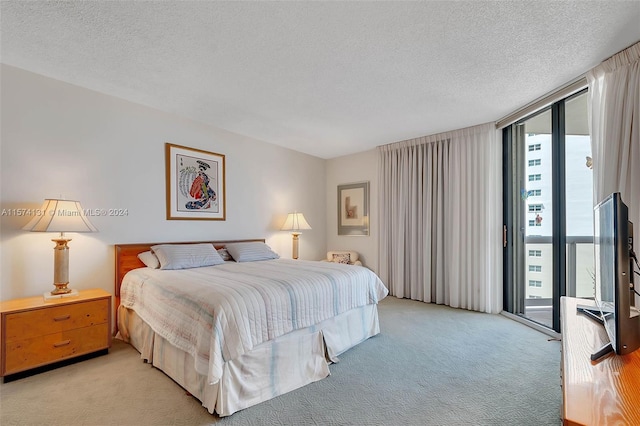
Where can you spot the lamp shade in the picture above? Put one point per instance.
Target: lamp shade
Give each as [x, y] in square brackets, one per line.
[295, 222]
[60, 216]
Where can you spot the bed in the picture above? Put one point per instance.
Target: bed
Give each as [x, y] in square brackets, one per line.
[235, 334]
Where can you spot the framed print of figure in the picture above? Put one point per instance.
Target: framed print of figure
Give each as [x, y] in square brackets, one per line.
[195, 184]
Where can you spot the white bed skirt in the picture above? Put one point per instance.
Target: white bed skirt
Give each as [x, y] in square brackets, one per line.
[268, 370]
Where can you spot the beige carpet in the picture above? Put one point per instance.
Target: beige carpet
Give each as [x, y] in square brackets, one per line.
[431, 365]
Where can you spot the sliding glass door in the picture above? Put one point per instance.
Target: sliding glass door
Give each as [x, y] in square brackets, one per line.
[548, 211]
[532, 218]
[579, 199]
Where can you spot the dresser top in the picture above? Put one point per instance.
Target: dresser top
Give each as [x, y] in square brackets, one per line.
[602, 393]
[35, 302]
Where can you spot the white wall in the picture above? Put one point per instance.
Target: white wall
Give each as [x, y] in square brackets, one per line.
[60, 139]
[349, 169]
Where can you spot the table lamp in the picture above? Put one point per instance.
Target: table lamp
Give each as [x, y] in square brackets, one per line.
[295, 222]
[62, 216]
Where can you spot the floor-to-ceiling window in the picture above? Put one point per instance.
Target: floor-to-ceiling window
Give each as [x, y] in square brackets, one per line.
[548, 210]
[579, 199]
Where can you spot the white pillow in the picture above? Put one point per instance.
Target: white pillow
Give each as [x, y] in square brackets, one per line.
[184, 256]
[250, 252]
[149, 259]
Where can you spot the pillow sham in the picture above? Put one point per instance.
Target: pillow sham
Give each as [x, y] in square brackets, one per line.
[185, 256]
[342, 258]
[251, 252]
[149, 259]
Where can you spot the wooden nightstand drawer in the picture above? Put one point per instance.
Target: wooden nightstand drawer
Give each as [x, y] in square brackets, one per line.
[30, 353]
[39, 322]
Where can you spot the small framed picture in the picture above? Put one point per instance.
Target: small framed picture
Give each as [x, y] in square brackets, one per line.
[195, 184]
[353, 209]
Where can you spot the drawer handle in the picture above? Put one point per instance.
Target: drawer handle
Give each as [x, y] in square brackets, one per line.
[62, 318]
[63, 343]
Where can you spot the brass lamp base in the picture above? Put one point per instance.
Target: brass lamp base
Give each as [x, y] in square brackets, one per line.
[61, 289]
[48, 296]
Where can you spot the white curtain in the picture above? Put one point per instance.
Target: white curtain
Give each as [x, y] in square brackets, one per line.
[441, 218]
[614, 120]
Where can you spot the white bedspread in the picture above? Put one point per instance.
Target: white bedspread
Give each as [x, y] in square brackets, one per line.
[218, 313]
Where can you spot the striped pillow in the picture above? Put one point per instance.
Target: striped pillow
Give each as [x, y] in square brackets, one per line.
[250, 252]
[184, 256]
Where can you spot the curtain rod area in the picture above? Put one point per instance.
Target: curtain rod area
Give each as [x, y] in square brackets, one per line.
[564, 91]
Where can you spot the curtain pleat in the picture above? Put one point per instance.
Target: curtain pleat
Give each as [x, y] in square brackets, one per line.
[614, 121]
[441, 219]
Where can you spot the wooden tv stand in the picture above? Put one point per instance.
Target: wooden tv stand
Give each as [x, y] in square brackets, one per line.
[603, 393]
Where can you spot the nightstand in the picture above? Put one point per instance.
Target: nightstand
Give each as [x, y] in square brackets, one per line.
[34, 333]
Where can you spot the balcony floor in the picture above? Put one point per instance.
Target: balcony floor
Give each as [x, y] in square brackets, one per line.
[540, 314]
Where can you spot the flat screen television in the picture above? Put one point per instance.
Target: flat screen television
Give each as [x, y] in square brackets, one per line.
[614, 296]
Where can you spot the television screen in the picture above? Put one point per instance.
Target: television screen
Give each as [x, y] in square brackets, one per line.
[613, 293]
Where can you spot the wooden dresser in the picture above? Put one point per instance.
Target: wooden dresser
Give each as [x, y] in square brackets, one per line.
[34, 333]
[604, 393]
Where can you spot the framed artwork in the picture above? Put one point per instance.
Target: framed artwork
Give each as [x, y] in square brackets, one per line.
[353, 209]
[195, 184]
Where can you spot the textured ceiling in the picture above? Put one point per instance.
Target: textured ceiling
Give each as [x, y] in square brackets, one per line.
[324, 78]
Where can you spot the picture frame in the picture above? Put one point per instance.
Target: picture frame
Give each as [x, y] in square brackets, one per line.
[353, 209]
[195, 184]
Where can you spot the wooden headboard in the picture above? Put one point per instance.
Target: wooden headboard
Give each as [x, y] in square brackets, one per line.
[127, 258]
